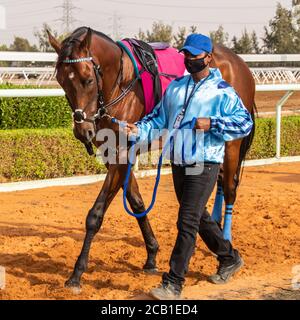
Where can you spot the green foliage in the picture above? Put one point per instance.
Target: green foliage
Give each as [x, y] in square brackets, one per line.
[219, 36]
[247, 44]
[282, 38]
[181, 35]
[42, 153]
[22, 44]
[160, 32]
[43, 112]
[49, 153]
[264, 144]
[42, 38]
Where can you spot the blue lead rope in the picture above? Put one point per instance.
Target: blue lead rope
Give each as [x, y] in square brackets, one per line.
[131, 157]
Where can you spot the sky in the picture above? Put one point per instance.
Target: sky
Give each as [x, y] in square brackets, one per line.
[124, 18]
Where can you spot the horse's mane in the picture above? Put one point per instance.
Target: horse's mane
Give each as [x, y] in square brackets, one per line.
[69, 42]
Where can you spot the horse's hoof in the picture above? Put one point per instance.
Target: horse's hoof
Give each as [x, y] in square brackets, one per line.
[73, 285]
[150, 270]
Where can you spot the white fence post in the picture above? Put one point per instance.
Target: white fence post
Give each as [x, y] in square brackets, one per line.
[279, 105]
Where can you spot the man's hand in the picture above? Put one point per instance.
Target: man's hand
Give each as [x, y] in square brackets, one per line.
[203, 124]
[131, 129]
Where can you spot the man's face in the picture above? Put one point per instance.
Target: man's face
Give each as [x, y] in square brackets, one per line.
[207, 56]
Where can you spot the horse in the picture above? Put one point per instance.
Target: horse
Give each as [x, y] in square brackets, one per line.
[93, 70]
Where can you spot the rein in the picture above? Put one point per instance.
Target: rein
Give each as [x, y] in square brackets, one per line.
[129, 167]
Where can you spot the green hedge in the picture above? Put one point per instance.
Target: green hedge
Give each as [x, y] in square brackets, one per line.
[43, 153]
[48, 153]
[44, 112]
[264, 144]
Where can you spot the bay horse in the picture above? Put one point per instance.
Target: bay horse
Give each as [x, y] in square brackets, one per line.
[96, 85]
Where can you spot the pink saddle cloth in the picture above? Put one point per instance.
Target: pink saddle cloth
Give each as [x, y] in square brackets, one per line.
[169, 61]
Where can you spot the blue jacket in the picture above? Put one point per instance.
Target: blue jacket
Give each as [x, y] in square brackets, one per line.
[214, 98]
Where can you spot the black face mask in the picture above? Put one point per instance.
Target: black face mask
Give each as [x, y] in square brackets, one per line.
[194, 66]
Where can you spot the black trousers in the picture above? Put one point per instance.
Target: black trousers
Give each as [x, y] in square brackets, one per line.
[193, 192]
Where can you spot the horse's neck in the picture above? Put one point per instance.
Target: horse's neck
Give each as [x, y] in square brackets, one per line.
[109, 57]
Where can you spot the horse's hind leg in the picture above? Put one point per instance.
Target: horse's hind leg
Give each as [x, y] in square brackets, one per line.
[137, 205]
[230, 182]
[111, 186]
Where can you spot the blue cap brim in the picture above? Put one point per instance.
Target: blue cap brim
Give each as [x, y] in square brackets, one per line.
[192, 50]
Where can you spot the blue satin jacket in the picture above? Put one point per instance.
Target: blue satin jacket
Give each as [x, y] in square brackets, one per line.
[213, 98]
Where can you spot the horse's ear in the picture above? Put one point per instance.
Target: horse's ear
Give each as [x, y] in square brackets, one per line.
[86, 42]
[54, 42]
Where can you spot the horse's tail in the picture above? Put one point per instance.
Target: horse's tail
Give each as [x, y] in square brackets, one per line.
[245, 146]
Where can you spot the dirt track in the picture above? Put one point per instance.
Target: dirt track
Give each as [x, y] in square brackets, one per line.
[266, 102]
[41, 233]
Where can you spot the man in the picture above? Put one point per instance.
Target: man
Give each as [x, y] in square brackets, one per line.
[222, 116]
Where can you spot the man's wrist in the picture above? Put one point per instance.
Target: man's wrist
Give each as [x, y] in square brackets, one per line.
[213, 122]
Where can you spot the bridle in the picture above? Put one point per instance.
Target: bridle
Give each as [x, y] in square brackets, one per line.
[79, 114]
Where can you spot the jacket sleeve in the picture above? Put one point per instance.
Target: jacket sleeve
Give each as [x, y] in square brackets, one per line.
[234, 122]
[157, 120]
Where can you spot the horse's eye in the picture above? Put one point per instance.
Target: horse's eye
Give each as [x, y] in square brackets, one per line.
[89, 81]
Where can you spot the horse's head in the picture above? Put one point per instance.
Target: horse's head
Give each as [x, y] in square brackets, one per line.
[81, 78]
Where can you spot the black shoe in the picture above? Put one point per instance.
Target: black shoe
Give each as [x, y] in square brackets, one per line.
[166, 291]
[225, 272]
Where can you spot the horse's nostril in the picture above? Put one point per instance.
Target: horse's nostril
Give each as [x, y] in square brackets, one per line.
[91, 134]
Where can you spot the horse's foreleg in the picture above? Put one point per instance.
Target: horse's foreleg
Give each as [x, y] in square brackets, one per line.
[218, 204]
[94, 221]
[137, 205]
[230, 182]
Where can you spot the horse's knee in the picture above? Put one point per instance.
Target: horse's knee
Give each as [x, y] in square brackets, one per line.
[136, 202]
[94, 220]
[230, 194]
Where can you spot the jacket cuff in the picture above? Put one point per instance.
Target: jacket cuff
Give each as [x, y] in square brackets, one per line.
[213, 122]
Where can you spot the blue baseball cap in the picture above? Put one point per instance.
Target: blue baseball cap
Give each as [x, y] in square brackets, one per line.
[197, 43]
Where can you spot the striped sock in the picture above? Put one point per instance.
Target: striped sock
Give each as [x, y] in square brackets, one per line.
[217, 210]
[227, 222]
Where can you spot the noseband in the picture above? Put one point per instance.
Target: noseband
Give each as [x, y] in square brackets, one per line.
[79, 114]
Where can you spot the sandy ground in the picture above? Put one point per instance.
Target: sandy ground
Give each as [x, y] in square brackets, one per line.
[266, 102]
[41, 234]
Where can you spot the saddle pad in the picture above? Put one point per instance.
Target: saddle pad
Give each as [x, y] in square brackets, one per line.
[169, 61]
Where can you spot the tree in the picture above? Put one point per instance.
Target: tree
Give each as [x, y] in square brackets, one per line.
[180, 37]
[22, 44]
[255, 45]
[4, 63]
[4, 47]
[42, 38]
[296, 22]
[244, 44]
[160, 32]
[281, 36]
[193, 29]
[219, 36]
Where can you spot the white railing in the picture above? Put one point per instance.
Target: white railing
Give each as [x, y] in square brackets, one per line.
[270, 57]
[46, 75]
[28, 56]
[52, 56]
[276, 75]
[27, 75]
